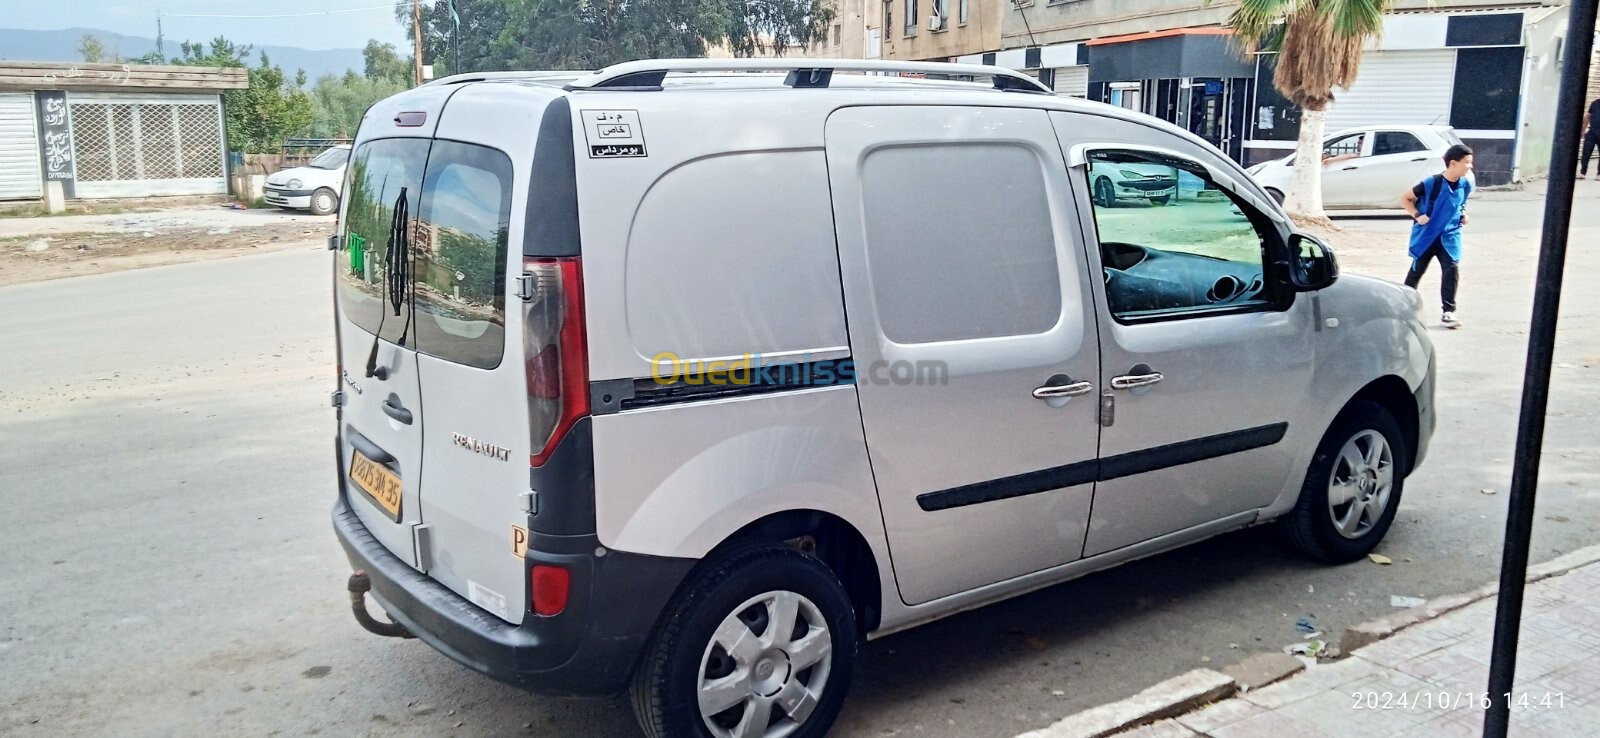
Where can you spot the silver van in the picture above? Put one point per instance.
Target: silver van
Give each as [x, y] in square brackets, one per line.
[685, 377]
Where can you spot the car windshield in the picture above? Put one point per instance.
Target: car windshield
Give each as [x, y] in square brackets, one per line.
[331, 159]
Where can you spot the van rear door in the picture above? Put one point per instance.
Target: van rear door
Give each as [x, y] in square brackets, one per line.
[382, 433]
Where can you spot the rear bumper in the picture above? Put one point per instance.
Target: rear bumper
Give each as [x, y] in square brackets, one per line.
[589, 649]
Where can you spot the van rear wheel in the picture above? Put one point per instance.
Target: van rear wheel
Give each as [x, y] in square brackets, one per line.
[761, 642]
[1353, 487]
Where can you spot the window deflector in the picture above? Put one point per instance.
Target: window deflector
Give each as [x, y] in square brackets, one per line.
[1078, 157]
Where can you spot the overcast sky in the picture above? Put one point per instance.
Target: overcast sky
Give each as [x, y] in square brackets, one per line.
[331, 28]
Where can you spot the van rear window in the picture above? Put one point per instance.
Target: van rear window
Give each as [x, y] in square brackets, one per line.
[459, 203]
[379, 171]
[460, 249]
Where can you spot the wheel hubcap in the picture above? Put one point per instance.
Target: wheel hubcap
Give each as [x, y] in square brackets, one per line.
[1361, 484]
[765, 668]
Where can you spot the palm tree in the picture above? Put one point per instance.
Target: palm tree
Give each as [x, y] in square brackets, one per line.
[1319, 45]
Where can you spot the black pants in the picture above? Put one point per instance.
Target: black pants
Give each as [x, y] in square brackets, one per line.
[1447, 291]
[1591, 141]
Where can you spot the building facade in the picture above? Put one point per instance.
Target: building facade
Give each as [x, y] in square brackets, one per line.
[112, 130]
[939, 30]
[1487, 68]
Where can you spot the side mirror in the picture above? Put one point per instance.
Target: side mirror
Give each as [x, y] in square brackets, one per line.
[1312, 265]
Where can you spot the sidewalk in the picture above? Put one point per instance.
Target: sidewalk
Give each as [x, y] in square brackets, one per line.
[1420, 673]
[184, 218]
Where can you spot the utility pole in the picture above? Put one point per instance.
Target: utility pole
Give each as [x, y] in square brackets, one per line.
[416, 24]
[161, 41]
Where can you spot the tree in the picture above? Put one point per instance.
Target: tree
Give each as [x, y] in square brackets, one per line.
[262, 115]
[563, 34]
[337, 103]
[93, 51]
[1319, 45]
[383, 62]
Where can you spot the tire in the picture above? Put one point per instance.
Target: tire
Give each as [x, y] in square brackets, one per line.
[756, 582]
[1341, 463]
[1275, 194]
[1104, 194]
[324, 201]
[1160, 201]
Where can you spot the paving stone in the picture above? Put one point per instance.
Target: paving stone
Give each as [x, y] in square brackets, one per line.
[1337, 711]
[1274, 725]
[1220, 715]
[1262, 669]
[1312, 681]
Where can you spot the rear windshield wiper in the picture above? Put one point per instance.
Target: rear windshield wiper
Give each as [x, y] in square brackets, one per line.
[397, 272]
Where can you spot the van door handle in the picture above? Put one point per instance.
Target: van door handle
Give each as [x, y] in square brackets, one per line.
[1420, 158]
[1065, 390]
[393, 409]
[1132, 381]
[1350, 168]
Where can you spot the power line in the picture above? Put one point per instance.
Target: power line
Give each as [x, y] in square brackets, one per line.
[281, 15]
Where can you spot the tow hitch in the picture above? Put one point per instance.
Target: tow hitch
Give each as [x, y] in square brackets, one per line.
[359, 585]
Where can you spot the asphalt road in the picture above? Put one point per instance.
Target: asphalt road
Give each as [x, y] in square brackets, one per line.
[165, 478]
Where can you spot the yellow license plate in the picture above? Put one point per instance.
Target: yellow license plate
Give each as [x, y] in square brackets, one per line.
[381, 485]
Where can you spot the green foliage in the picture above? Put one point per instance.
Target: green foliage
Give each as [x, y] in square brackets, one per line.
[563, 34]
[384, 62]
[262, 115]
[93, 51]
[337, 103]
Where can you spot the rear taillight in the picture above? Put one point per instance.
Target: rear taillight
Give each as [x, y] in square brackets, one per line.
[557, 361]
[550, 585]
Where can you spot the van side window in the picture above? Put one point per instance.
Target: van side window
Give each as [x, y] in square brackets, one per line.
[978, 264]
[459, 239]
[1171, 241]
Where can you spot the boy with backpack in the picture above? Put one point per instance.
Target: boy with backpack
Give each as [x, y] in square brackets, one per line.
[1438, 207]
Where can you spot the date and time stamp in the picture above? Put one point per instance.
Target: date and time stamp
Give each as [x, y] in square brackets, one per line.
[1454, 700]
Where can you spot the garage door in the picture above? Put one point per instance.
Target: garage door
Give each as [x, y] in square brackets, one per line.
[1072, 81]
[1397, 87]
[19, 148]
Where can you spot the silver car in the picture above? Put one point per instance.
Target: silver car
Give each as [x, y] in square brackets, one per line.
[684, 383]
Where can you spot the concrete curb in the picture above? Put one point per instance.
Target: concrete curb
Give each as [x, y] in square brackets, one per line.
[1149, 709]
[1373, 631]
[1172, 697]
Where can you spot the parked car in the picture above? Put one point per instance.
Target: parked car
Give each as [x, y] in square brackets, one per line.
[1367, 168]
[674, 390]
[1152, 183]
[315, 186]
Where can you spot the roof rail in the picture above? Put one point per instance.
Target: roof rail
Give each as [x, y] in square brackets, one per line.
[465, 77]
[649, 74]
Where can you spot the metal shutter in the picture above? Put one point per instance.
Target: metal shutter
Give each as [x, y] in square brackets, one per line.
[130, 145]
[1072, 81]
[1397, 87]
[19, 148]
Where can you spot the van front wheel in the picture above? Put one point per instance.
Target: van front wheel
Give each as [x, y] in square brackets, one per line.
[761, 642]
[1353, 487]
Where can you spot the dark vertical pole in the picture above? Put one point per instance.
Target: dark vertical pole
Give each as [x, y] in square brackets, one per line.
[1541, 348]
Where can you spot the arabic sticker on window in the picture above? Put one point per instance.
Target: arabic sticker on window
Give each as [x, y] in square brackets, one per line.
[613, 133]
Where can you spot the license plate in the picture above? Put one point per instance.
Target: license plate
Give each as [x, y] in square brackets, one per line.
[381, 485]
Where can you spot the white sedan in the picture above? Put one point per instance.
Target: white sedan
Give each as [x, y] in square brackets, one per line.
[1367, 168]
[315, 186]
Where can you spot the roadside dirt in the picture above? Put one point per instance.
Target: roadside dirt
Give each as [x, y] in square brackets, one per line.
[37, 259]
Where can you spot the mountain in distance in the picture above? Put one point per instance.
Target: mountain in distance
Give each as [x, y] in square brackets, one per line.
[62, 46]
